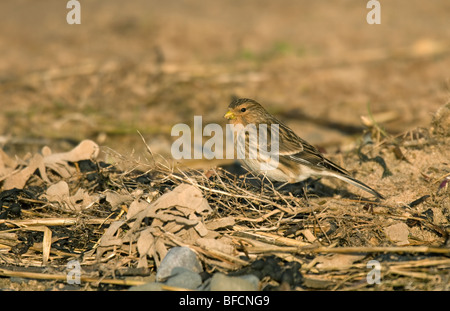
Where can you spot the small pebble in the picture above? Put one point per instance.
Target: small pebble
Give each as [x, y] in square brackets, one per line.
[178, 257]
[184, 278]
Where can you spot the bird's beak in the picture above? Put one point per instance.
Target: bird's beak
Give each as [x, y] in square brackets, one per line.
[229, 115]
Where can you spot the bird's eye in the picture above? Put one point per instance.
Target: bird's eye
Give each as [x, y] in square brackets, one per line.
[243, 109]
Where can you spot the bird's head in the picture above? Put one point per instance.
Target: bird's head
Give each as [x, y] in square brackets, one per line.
[246, 111]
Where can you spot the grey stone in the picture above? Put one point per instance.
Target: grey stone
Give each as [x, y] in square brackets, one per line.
[253, 279]
[178, 257]
[184, 278]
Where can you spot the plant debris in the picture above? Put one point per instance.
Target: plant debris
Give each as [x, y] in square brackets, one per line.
[120, 224]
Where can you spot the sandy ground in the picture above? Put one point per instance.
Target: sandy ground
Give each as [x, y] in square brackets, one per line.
[148, 65]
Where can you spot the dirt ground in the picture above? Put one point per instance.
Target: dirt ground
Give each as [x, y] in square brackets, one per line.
[320, 67]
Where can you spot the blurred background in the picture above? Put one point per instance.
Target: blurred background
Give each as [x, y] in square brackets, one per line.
[145, 65]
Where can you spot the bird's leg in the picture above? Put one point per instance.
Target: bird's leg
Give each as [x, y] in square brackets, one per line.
[281, 186]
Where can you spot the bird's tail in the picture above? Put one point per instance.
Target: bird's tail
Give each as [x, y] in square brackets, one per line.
[359, 184]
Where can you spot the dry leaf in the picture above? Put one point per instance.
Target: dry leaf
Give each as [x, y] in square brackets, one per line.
[220, 223]
[160, 251]
[20, 178]
[216, 244]
[109, 238]
[145, 243]
[59, 194]
[177, 213]
[59, 162]
[117, 199]
[183, 195]
[7, 165]
[136, 207]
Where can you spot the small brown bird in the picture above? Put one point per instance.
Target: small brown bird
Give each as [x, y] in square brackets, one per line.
[297, 159]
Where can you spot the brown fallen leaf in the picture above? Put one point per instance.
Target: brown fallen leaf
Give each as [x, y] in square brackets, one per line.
[18, 179]
[110, 238]
[217, 244]
[178, 213]
[117, 199]
[220, 223]
[59, 194]
[7, 165]
[145, 245]
[183, 195]
[136, 207]
[59, 162]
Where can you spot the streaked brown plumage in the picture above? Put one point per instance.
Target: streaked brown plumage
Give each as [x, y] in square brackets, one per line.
[298, 160]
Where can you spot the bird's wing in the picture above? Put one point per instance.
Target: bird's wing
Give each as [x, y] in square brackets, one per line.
[297, 149]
